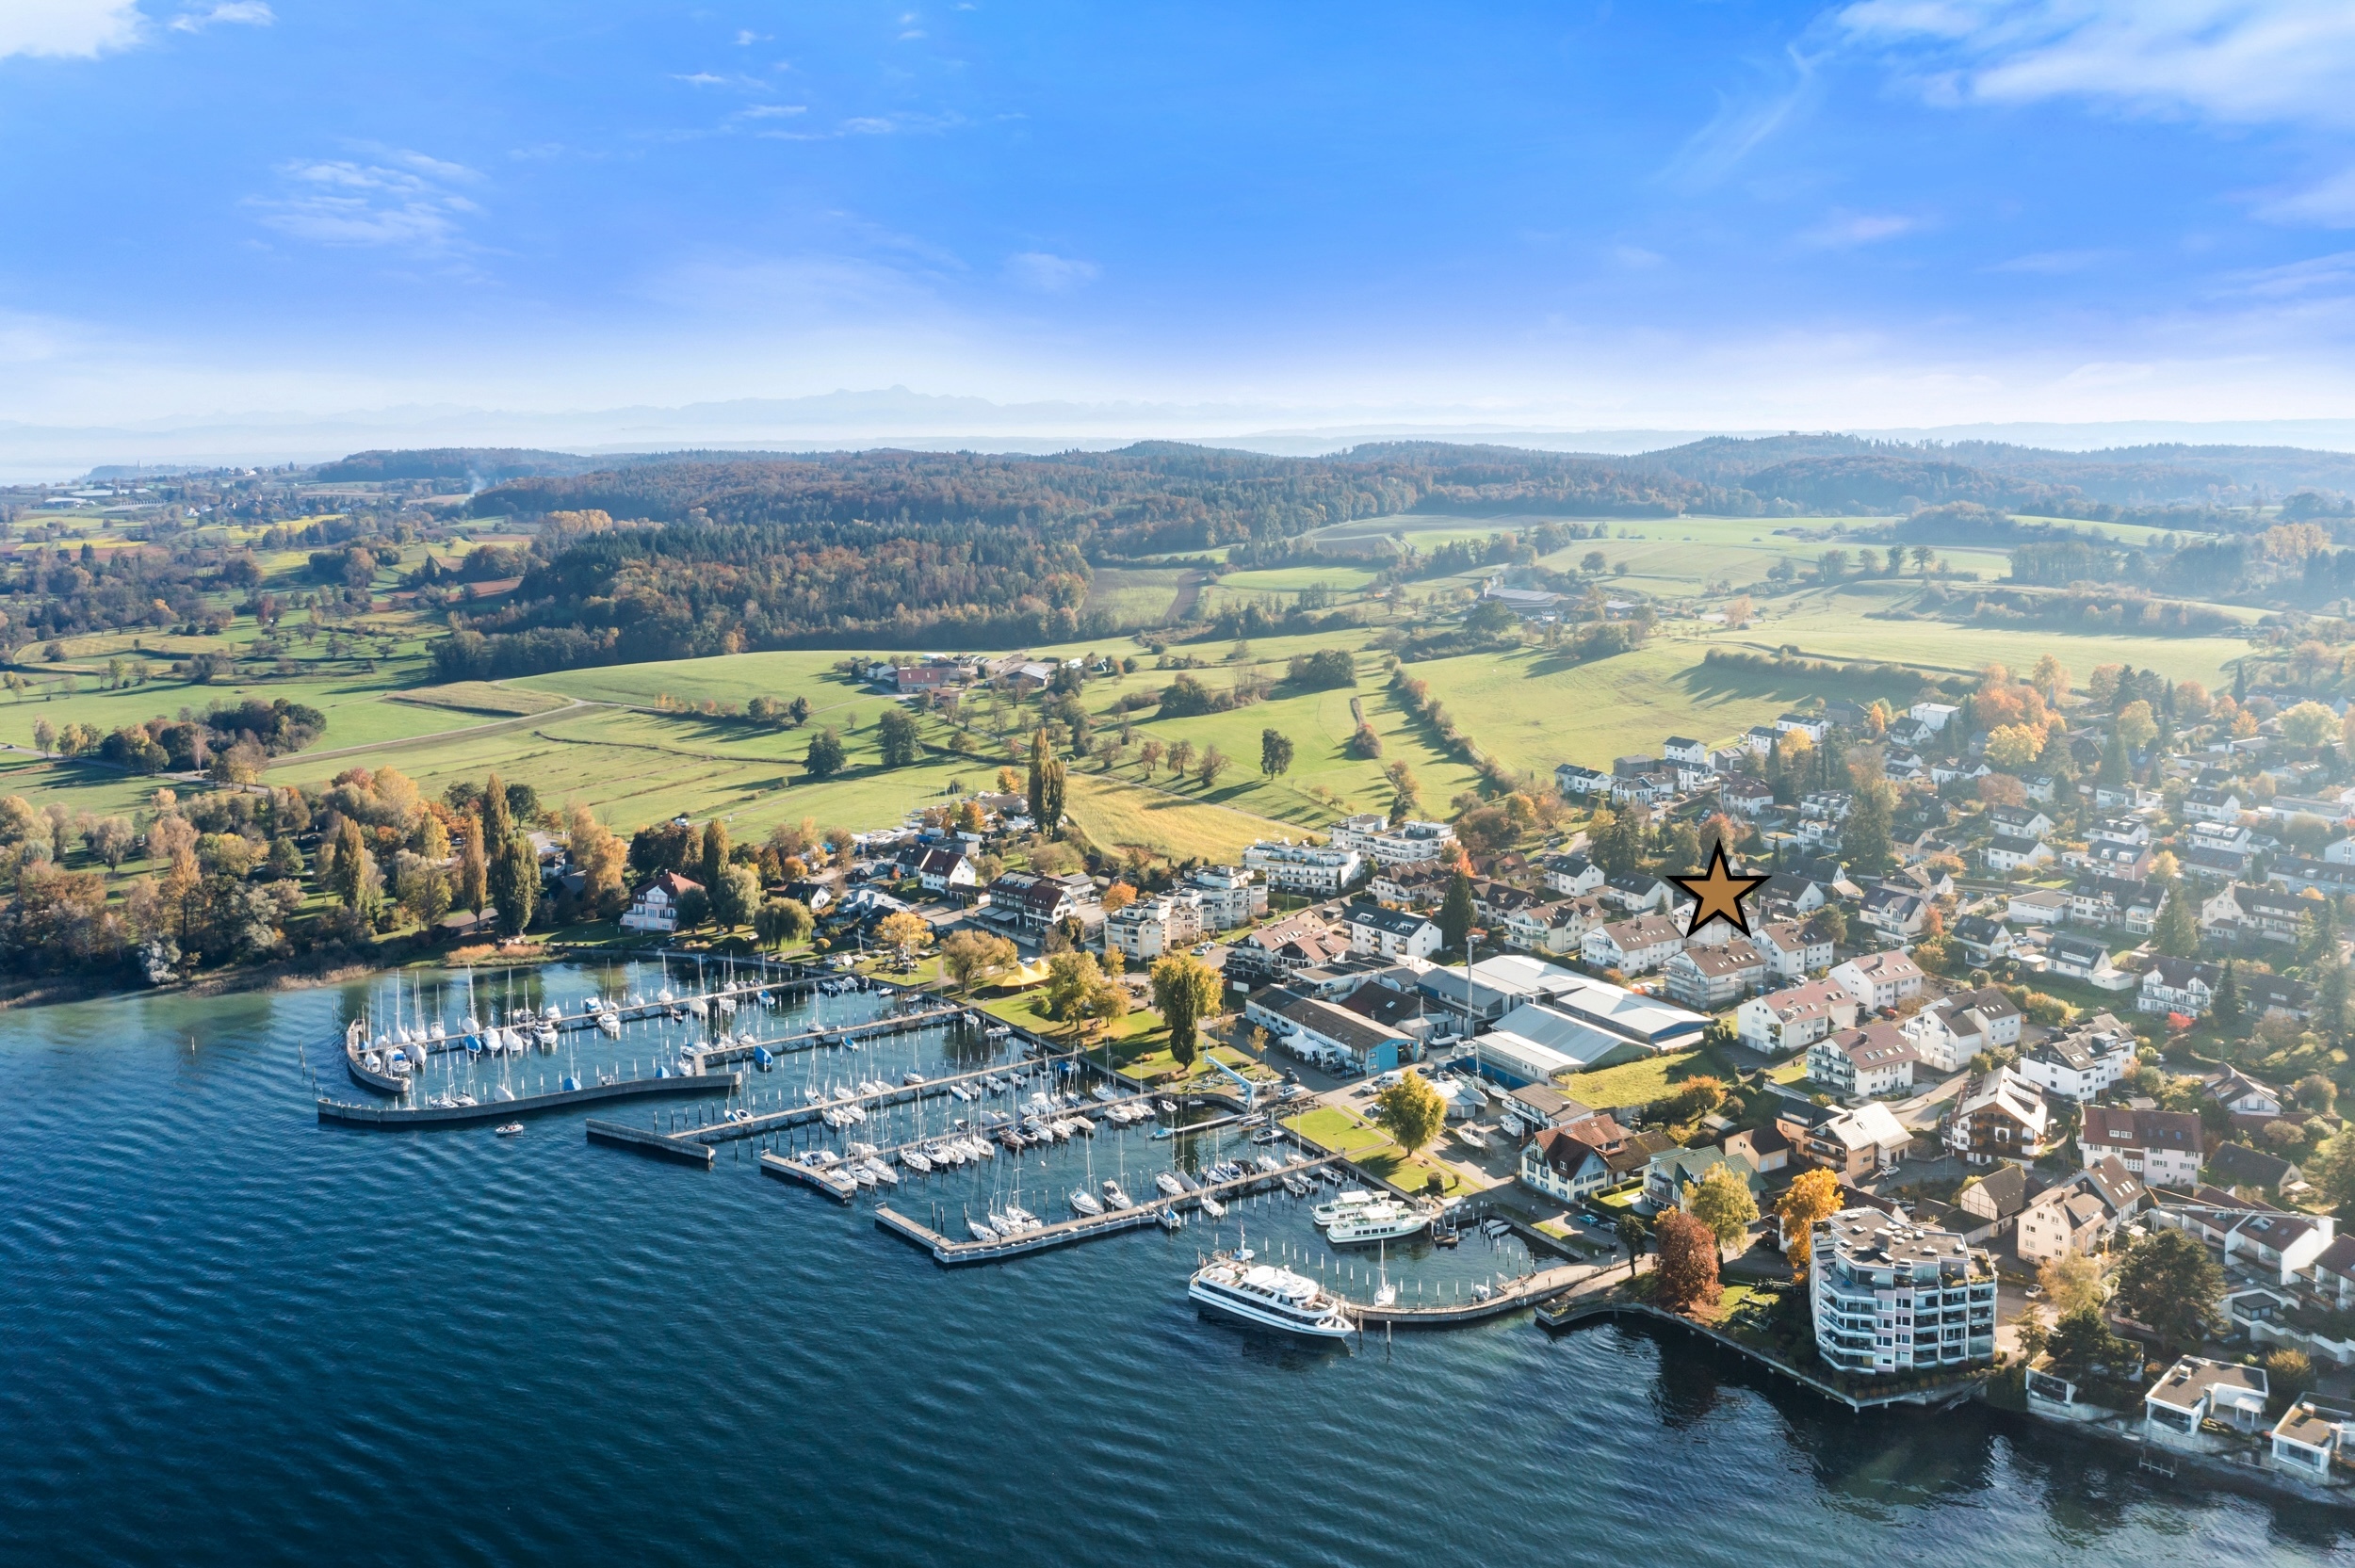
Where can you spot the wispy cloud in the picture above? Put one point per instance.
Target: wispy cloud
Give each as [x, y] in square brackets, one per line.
[773, 111]
[2333, 274]
[2056, 263]
[399, 198]
[1845, 230]
[1048, 273]
[1744, 122]
[2328, 204]
[243, 13]
[2246, 61]
[67, 28]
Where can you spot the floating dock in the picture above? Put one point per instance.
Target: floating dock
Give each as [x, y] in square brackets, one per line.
[952, 1254]
[526, 1105]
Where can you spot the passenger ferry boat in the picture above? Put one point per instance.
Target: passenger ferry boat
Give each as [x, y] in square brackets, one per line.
[1267, 1296]
[1384, 1221]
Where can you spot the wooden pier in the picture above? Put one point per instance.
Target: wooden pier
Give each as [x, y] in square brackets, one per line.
[952, 1254]
[633, 1136]
[527, 1105]
[810, 1039]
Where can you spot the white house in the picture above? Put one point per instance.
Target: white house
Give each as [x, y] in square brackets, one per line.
[1952, 1029]
[1633, 947]
[2162, 1147]
[1151, 926]
[1304, 867]
[656, 907]
[2005, 854]
[2085, 1062]
[1713, 977]
[1864, 1062]
[1572, 875]
[1881, 980]
[1791, 954]
[1785, 1021]
[941, 869]
[2087, 958]
[1372, 836]
[2177, 985]
[1391, 932]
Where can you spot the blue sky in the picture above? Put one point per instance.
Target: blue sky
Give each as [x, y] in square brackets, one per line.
[1896, 212]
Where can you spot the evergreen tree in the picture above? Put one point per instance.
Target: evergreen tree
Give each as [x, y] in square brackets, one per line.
[2177, 934]
[1864, 836]
[497, 822]
[515, 883]
[1455, 914]
[2225, 1004]
[474, 870]
[2114, 762]
[349, 877]
[715, 856]
[1045, 785]
[2331, 996]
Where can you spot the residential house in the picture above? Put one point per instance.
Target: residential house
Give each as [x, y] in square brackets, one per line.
[1391, 932]
[1373, 836]
[1304, 867]
[2197, 1390]
[1033, 904]
[1633, 946]
[2249, 1103]
[1932, 715]
[1679, 747]
[1765, 1149]
[1792, 1019]
[1992, 1201]
[1983, 938]
[1895, 912]
[2087, 958]
[1280, 949]
[656, 907]
[2019, 821]
[1588, 1156]
[1955, 1029]
[1814, 726]
[1423, 885]
[2237, 1165]
[1745, 796]
[1556, 927]
[2213, 806]
[945, 869]
[1800, 894]
[1890, 1297]
[1791, 954]
[1575, 782]
[2080, 1214]
[2083, 1063]
[1665, 1176]
[1880, 981]
[2308, 1439]
[2035, 906]
[1230, 896]
[2332, 1275]
[1708, 977]
[1151, 926]
[1572, 875]
[1495, 902]
[2005, 854]
[1864, 1062]
[1999, 1116]
[1638, 893]
[2243, 912]
[2177, 985]
[2161, 1147]
[1533, 1108]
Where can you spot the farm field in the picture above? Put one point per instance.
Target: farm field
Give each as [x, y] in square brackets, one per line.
[1837, 629]
[480, 697]
[1117, 815]
[1135, 595]
[1530, 711]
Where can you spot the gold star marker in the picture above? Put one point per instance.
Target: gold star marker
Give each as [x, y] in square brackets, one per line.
[1717, 894]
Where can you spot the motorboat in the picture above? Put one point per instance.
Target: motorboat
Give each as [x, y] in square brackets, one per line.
[1117, 1196]
[1086, 1203]
[510, 1129]
[1169, 1185]
[912, 1079]
[1173, 1221]
[1266, 1296]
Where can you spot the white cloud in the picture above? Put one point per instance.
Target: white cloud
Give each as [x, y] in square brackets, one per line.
[67, 27]
[247, 13]
[2054, 263]
[2246, 61]
[1050, 274]
[773, 111]
[403, 198]
[2328, 204]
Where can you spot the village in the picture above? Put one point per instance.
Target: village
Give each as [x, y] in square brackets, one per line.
[2014, 1019]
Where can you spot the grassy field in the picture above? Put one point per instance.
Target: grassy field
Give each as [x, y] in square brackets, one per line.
[481, 697]
[1115, 815]
[1135, 595]
[1834, 626]
[1634, 1083]
[1345, 1133]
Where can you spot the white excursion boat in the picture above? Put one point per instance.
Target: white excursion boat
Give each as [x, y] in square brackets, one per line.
[1267, 1296]
[1385, 1221]
[1348, 1201]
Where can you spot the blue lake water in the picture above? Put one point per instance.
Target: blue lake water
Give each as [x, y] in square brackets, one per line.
[236, 1336]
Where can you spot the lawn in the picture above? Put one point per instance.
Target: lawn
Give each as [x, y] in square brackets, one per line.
[1117, 815]
[1633, 1083]
[481, 697]
[1368, 1146]
[1834, 626]
[1134, 595]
